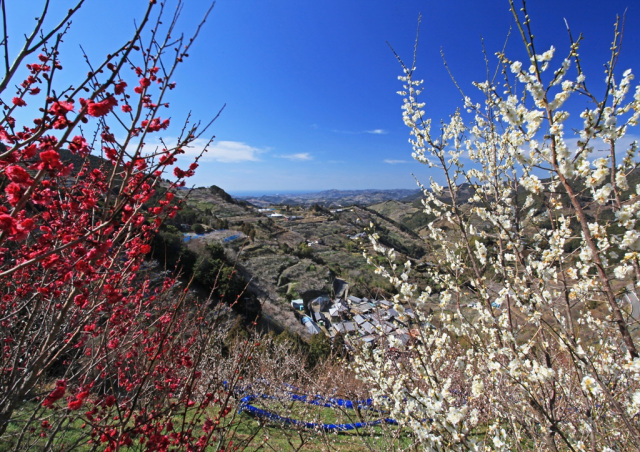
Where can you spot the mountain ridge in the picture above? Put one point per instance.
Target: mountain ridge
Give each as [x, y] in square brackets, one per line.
[333, 197]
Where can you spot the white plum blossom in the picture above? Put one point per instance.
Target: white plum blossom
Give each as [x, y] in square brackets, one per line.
[481, 252]
[590, 385]
[532, 184]
[455, 415]
[621, 180]
[477, 389]
[634, 407]
[631, 240]
[546, 56]
[599, 175]
[622, 271]
[601, 195]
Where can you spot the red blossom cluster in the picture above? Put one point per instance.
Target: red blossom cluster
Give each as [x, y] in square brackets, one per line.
[56, 394]
[100, 108]
[155, 125]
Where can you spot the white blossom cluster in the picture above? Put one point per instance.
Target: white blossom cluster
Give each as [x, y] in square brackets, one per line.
[525, 338]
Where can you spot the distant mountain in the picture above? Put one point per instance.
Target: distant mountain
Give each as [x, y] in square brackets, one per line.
[333, 198]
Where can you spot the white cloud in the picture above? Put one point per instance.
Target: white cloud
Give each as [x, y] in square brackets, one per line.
[298, 156]
[359, 132]
[394, 162]
[232, 152]
[602, 149]
[216, 151]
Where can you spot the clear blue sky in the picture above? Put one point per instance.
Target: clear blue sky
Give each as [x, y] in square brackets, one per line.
[310, 86]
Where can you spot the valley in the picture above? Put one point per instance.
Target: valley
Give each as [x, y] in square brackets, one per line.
[291, 250]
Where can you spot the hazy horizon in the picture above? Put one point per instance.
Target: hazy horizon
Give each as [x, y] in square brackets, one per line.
[257, 193]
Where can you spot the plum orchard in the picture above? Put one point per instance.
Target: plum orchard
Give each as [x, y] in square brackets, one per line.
[534, 348]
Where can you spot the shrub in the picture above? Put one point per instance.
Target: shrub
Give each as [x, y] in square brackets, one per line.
[198, 228]
[319, 349]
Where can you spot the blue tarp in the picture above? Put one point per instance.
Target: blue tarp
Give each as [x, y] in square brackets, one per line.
[189, 237]
[245, 405]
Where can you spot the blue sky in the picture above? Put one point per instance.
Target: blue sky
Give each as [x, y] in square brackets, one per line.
[310, 86]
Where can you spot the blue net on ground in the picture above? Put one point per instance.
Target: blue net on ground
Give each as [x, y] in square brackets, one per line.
[317, 400]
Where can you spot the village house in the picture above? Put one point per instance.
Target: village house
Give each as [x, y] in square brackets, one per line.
[359, 319]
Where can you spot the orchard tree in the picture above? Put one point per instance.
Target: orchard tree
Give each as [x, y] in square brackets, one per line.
[536, 346]
[90, 336]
